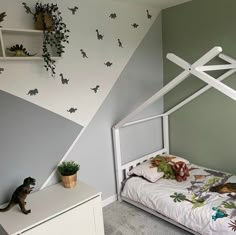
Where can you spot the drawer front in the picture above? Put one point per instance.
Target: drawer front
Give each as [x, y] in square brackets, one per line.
[77, 221]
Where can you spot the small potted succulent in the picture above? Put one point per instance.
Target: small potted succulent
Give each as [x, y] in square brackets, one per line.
[68, 171]
[47, 17]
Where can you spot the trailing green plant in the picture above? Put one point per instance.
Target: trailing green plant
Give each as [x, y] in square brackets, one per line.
[67, 168]
[55, 33]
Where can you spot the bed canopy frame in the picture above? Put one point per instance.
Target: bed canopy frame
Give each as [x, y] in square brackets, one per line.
[198, 69]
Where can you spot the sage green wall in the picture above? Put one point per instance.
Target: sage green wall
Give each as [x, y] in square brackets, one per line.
[204, 131]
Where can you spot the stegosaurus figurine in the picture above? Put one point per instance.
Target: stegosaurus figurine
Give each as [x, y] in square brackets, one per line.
[19, 50]
[167, 169]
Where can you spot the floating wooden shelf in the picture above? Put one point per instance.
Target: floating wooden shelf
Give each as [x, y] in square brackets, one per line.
[15, 58]
[31, 39]
[21, 30]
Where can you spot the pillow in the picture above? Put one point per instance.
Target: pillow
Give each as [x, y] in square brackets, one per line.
[145, 170]
[175, 158]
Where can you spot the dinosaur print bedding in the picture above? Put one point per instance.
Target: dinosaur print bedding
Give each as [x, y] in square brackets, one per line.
[190, 203]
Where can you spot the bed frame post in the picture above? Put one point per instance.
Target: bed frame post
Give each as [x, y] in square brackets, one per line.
[166, 133]
[118, 164]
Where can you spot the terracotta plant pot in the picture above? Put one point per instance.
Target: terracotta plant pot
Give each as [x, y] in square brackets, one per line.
[44, 17]
[69, 181]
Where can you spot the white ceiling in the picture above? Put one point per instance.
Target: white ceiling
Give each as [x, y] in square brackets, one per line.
[161, 4]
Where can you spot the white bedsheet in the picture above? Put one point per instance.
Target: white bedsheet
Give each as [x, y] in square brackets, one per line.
[157, 197]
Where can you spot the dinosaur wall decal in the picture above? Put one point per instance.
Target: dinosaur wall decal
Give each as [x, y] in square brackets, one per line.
[108, 64]
[63, 80]
[119, 43]
[72, 110]
[73, 10]
[95, 89]
[33, 92]
[27, 9]
[113, 16]
[148, 15]
[135, 25]
[84, 55]
[99, 36]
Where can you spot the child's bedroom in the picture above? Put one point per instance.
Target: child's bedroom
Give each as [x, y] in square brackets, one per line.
[117, 117]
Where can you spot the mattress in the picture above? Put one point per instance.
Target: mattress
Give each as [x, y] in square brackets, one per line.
[190, 202]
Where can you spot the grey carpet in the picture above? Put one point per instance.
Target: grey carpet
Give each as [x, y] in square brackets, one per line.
[125, 219]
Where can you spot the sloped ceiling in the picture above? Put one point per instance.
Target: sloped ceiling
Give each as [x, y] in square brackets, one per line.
[160, 4]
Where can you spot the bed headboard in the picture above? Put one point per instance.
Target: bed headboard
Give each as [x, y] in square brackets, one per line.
[123, 169]
[130, 165]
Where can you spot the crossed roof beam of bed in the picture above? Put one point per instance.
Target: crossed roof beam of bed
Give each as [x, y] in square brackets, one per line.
[198, 69]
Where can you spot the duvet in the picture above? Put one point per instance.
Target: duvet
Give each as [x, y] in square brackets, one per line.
[189, 203]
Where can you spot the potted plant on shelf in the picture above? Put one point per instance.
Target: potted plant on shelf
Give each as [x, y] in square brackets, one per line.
[68, 171]
[48, 18]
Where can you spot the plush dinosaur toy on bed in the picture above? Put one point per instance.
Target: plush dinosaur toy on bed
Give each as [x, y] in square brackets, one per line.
[172, 170]
[157, 160]
[181, 171]
[163, 165]
[167, 169]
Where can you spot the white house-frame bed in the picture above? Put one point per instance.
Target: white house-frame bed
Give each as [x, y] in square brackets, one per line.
[198, 69]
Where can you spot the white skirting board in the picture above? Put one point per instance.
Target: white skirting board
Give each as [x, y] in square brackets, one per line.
[109, 200]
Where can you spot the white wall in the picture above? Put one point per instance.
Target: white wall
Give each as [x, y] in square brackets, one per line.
[83, 73]
[138, 66]
[140, 79]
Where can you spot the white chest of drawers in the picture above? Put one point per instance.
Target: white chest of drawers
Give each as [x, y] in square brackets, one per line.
[59, 211]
